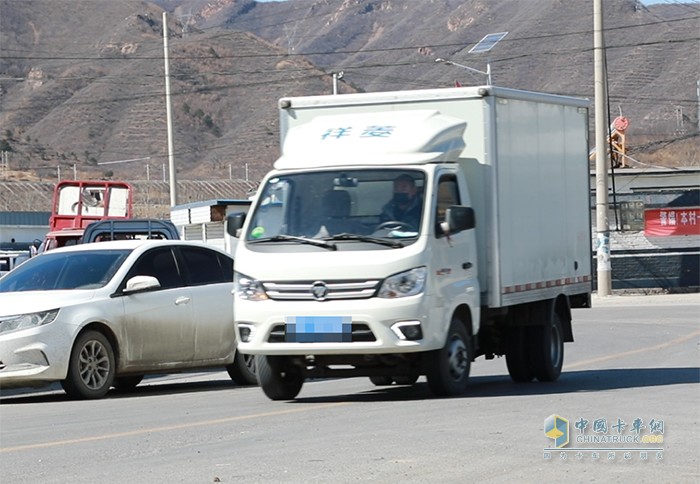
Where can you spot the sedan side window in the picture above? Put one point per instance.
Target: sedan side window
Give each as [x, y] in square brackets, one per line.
[159, 263]
[206, 266]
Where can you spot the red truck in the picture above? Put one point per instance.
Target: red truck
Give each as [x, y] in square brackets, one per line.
[78, 203]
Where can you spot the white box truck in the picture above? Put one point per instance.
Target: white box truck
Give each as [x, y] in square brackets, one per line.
[406, 233]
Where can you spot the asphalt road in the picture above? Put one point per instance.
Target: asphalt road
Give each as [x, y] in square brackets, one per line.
[636, 358]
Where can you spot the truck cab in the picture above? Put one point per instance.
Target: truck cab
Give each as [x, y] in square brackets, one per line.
[78, 203]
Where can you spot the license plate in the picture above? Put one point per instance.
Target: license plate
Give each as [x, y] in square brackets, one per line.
[318, 329]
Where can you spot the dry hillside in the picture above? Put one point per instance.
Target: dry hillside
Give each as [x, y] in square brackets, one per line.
[82, 82]
[653, 53]
[84, 86]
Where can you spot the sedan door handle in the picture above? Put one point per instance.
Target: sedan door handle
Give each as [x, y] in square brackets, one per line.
[467, 265]
[182, 300]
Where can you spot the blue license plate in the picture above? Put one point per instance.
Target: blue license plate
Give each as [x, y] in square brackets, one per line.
[318, 329]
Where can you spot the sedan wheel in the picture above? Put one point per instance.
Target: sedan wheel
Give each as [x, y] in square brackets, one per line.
[91, 367]
[242, 370]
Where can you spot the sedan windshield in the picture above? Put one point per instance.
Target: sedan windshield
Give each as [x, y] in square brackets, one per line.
[53, 271]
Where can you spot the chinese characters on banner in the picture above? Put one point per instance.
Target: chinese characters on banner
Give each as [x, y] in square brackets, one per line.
[665, 222]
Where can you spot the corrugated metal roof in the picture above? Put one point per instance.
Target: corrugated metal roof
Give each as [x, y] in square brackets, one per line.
[25, 218]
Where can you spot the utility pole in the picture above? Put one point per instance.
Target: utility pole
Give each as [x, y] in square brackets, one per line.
[169, 114]
[697, 91]
[604, 267]
[4, 163]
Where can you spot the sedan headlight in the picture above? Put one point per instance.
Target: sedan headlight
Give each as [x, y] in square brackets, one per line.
[248, 288]
[404, 284]
[26, 321]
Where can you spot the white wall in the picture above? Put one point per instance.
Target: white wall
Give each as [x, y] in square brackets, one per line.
[22, 234]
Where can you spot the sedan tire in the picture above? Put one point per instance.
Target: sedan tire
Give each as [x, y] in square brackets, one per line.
[242, 370]
[91, 367]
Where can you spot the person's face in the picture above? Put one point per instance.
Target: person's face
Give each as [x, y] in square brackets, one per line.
[407, 191]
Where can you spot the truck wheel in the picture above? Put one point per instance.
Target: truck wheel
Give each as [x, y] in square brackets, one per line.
[242, 370]
[548, 350]
[406, 379]
[518, 356]
[127, 383]
[91, 367]
[278, 377]
[447, 369]
[381, 381]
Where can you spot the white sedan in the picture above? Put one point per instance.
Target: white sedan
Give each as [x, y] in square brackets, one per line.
[103, 315]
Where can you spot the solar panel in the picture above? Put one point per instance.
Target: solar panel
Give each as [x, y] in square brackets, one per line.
[488, 42]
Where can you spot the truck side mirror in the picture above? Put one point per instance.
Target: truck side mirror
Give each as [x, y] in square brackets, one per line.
[457, 219]
[234, 223]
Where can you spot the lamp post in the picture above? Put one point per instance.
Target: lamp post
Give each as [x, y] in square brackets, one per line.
[336, 77]
[487, 73]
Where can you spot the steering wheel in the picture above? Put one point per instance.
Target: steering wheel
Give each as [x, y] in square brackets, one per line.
[394, 225]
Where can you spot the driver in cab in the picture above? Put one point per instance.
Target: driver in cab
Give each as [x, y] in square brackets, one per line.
[405, 206]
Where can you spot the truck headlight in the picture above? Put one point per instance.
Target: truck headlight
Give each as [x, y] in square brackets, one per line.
[404, 284]
[248, 288]
[18, 322]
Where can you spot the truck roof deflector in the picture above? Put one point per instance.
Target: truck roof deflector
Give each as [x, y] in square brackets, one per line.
[381, 138]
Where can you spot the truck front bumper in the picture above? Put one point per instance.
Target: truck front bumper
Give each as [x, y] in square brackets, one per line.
[375, 326]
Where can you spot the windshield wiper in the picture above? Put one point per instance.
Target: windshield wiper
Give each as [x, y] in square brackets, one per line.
[366, 238]
[294, 238]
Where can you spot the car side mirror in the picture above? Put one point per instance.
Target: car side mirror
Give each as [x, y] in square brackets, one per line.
[457, 219]
[234, 223]
[141, 284]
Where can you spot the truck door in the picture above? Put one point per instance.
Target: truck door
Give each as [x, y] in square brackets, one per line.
[455, 255]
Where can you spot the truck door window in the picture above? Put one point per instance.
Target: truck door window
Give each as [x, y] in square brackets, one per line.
[447, 195]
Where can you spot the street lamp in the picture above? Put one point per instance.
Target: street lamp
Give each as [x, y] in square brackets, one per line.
[487, 73]
[336, 77]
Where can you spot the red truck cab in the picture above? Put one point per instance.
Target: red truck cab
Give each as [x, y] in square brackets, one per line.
[78, 203]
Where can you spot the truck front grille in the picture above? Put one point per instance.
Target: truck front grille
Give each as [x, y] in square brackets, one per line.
[360, 333]
[320, 290]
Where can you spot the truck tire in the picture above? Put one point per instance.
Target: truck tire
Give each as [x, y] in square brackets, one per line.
[447, 369]
[278, 377]
[381, 381]
[547, 343]
[91, 367]
[242, 370]
[518, 358]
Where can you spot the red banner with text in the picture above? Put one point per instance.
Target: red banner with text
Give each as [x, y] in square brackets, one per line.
[666, 222]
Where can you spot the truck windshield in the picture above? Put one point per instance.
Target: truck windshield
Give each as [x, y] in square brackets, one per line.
[385, 204]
